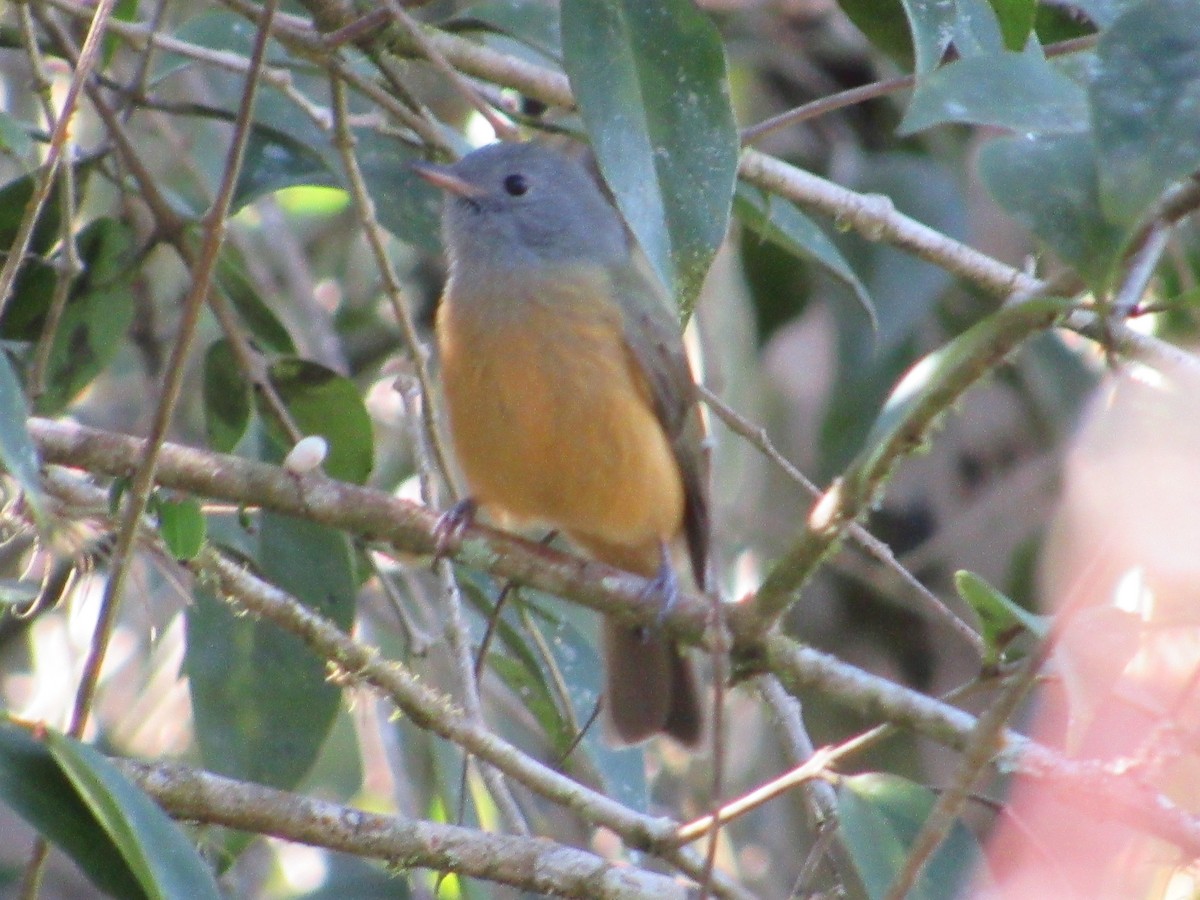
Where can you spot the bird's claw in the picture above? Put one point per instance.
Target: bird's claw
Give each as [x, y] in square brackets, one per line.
[451, 524]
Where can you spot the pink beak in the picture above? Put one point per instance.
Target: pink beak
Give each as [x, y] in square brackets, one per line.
[442, 177]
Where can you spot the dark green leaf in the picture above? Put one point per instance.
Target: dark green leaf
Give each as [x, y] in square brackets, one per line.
[34, 787]
[256, 315]
[18, 455]
[14, 197]
[1016, 21]
[535, 25]
[780, 222]
[275, 160]
[260, 698]
[226, 398]
[1146, 104]
[880, 817]
[161, 857]
[98, 313]
[322, 402]
[998, 615]
[651, 86]
[1019, 91]
[1049, 185]
[886, 25]
[407, 206]
[216, 30]
[181, 525]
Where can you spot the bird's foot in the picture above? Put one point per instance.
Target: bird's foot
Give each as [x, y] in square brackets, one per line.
[664, 587]
[451, 525]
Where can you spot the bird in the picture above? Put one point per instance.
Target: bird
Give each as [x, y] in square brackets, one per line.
[570, 400]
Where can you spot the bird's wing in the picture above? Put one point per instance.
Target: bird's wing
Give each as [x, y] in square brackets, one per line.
[652, 337]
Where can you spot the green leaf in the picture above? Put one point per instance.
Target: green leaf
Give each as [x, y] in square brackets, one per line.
[651, 86]
[182, 526]
[18, 455]
[322, 402]
[976, 29]
[904, 289]
[275, 160]
[931, 23]
[34, 787]
[15, 140]
[535, 25]
[97, 316]
[880, 816]
[261, 701]
[1049, 185]
[226, 398]
[161, 857]
[886, 25]
[406, 205]
[1145, 98]
[1016, 21]
[934, 384]
[1019, 91]
[782, 223]
[998, 614]
[256, 315]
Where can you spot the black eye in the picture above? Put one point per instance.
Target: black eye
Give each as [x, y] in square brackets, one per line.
[516, 185]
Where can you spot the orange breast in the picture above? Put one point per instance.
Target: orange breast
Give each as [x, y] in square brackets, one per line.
[552, 423]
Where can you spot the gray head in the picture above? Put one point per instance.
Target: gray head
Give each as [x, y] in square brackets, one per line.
[516, 206]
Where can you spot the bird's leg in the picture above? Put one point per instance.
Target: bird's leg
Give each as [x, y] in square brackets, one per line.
[664, 587]
[451, 525]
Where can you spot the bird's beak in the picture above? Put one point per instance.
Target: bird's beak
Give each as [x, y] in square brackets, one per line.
[442, 177]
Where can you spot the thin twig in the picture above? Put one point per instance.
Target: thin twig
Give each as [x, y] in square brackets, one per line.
[84, 61]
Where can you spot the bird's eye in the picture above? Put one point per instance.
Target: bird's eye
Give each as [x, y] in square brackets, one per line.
[516, 185]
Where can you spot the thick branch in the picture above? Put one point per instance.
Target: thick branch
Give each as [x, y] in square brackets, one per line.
[533, 864]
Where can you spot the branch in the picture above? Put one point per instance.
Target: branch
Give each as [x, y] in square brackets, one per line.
[533, 864]
[410, 527]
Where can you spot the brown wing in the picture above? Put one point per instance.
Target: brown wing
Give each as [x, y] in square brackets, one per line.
[653, 340]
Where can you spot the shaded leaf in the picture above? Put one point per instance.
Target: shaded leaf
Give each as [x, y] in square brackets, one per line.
[322, 402]
[226, 398]
[15, 140]
[781, 222]
[275, 160]
[1019, 91]
[98, 313]
[650, 82]
[255, 314]
[880, 816]
[1145, 98]
[159, 854]
[536, 25]
[931, 23]
[261, 701]
[34, 787]
[886, 25]
[18, 455]
[1049, 185]
[406, 205]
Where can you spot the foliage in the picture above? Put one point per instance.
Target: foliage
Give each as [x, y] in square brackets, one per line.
[211, 232]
